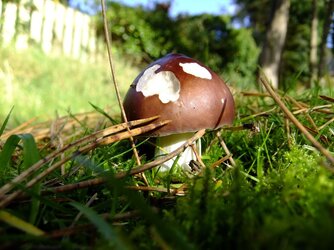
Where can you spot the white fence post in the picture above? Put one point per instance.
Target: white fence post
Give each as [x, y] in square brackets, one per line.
[77, 34]
[85, 37]
[60, 14]
[8, 29]
[67, 40]
[0, 12]
[92, 45]
[54, 27]
[23, 22]
[47, 31]
[36, 21]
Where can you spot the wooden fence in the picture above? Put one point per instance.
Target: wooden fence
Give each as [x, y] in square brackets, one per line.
[53, 26]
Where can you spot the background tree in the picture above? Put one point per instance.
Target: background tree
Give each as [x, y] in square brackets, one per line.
[314, 43]
[325, 31]
[268, 20]
[270, 57]
[295, 64]
[294, 68]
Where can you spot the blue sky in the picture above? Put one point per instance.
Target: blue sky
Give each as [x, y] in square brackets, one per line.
[191, 7]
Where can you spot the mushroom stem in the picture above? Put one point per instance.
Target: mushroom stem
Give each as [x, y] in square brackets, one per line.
[167, 144]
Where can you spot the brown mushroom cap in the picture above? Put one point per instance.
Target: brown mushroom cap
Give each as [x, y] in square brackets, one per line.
[183, 90]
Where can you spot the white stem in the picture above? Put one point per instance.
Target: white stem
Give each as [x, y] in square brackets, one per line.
[167, 144]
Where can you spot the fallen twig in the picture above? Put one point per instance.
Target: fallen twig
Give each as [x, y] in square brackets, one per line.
[79, 228]
[100, 180]
[91, 200]
[220, 161]
[42, 130]
[97, 142]
[320, 108]
[6, 199]
[102, 133]
[113, 76]
[135, 170]
[326, 124]
[327, 98]
[227, 151]
[295, 121]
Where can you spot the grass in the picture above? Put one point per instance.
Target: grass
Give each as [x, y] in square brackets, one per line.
[41, 86]
[278, 194]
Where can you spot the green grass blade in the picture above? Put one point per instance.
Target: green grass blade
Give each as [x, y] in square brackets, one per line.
[20, 224]
[101, 111]
[102, 226]
[4, 124]
[260, 155]
[30, 157]
[30, 150]
[7, 152]
[168, 232]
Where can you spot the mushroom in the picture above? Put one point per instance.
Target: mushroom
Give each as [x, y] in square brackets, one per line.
[183, 90]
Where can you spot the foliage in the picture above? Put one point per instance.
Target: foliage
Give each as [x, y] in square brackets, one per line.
[289, 205]
[296, 53]
[149, 34]
[256, 14]
[135, 32]
[295, 57]
[223, 48]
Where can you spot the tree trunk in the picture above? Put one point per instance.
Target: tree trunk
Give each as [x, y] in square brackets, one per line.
[325, 31]
[314, 44]
[270, 57]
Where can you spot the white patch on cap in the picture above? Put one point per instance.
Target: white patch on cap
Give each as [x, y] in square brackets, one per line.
[164, 84]
[223, 101]
[196, 70]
